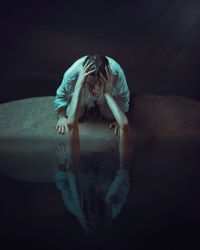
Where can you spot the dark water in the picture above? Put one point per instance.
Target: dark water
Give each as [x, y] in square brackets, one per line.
[152, 205]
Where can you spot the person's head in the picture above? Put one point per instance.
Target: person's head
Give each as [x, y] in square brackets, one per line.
[93, 81]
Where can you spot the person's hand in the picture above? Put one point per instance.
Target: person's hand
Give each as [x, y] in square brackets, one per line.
[62, 125]
[84, 72]
[108, 81]
[61, 154]
[121, 179]
[89, 227]
[115, 126]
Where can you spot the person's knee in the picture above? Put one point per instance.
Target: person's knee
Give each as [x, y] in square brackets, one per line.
[125, 127]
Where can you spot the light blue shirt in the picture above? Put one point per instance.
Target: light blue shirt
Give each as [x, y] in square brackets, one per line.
[65, 91]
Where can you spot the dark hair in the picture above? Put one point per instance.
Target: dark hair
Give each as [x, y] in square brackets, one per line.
[99, 63]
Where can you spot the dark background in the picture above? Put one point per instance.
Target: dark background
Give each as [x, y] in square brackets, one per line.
[157, 43]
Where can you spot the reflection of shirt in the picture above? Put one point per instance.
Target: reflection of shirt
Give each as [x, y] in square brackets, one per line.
[118, 191]
[66, 183]
[65, 91]
[93, 186]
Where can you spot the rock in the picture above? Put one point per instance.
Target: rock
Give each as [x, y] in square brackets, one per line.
[150, 116]
[29, 145]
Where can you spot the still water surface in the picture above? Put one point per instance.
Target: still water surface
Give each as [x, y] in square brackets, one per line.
[48, 203]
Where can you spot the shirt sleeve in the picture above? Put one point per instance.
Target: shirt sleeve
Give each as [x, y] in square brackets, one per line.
[122, 92]
[65, 91]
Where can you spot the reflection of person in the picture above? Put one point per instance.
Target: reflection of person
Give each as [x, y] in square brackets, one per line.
[92, 196]
[91, 80]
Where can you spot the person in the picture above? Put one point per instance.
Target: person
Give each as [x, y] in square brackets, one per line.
[92, 80]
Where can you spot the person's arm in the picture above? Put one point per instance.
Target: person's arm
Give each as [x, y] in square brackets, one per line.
[62, 112]
[122, 92]
[75, 101]
[61, 102]
[124, 145]
[118, 113]
[65, 90]
[116, 110]
[124, 131]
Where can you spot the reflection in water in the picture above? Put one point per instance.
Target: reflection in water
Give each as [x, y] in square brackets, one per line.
[162, 211]
[91, 192]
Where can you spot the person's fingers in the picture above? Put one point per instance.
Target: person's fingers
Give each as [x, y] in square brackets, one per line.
[115, 130]
[101, 81]
[66, 129]
[87, 66]
[63, 129]
[89, 72]
[110, 75]
[60, 129]
[107, 71]
[111, 125]
[102, 88]
[102, 77]
[56, 127]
